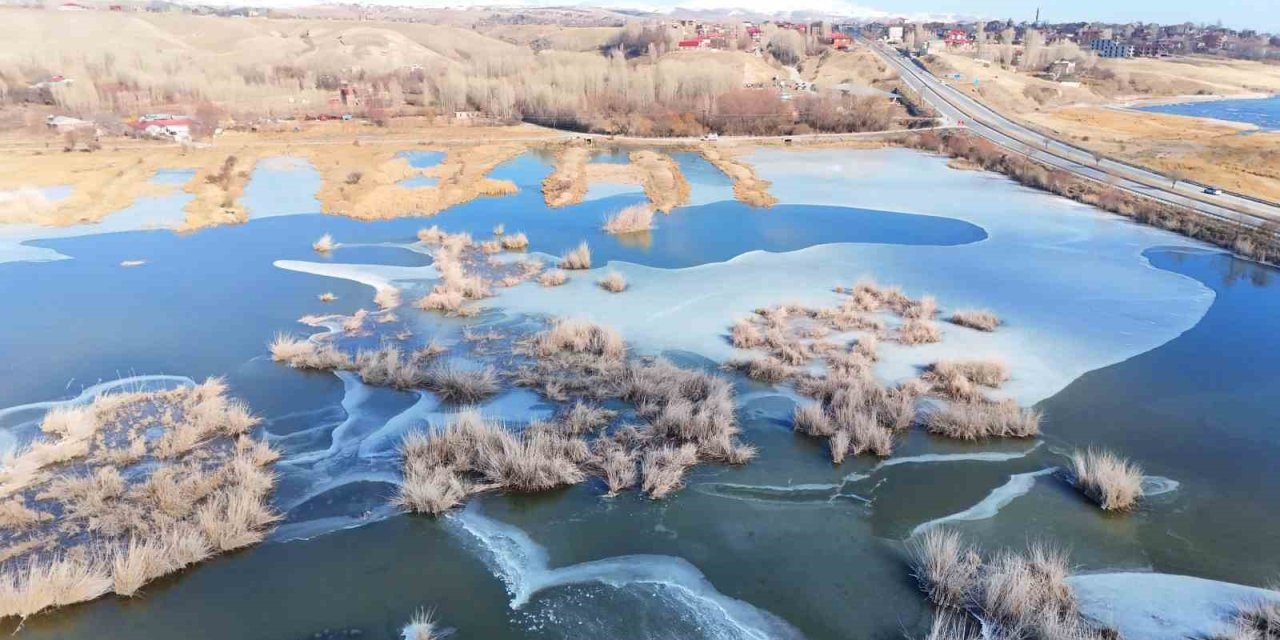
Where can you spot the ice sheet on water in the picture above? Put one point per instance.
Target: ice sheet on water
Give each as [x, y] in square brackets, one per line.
[163, 212]
[523, 566]
[1070, 282]
[1017, 486]
[1156, 606]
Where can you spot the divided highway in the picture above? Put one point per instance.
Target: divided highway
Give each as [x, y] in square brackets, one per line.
[958, 109]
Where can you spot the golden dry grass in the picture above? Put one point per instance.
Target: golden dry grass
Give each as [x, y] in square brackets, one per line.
[980, 319]
[324, 245]
[964, 379]
[1112, 482]
[614, 283]
[633, 219]
[197, 489]
[1023, 595]
[975, 420]
[576, 259]
[553, 278]
[747, 186]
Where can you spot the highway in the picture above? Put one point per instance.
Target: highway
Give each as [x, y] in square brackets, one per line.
[957, 108]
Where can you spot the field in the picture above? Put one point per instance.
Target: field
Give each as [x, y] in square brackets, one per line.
[1207, 150]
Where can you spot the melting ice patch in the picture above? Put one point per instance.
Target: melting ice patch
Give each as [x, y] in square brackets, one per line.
[1070, 281]
[163, 212]
[1156, 606]
[828, 493]
[1018, 485]
[523, 567]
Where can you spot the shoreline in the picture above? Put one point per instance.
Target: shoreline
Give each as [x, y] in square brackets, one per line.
[1190, 99]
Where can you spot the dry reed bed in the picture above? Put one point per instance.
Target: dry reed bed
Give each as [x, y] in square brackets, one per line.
[662, 178]
[361, 181]
[126, 489]
[467, 274]
[1011, 594]
[748, 188]
[853, 412]
[664, 184]
[684, 417]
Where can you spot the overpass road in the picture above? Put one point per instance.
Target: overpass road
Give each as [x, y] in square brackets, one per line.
[957, 108]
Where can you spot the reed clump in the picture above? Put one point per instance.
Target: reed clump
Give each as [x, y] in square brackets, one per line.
[964, 380]
[471, 455]
[979, 319]
[1012, 594]
[515, 242]
[325, 244]
[977, 419]
[633, 219]
[553, 278]
[576, 259]
[1109, 480]
[614, 283]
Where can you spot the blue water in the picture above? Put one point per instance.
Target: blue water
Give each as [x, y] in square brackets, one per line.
[1199, 408]
[422, 159]
[1263, 112]
[177, 177]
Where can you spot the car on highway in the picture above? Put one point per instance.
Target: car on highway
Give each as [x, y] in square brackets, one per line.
[1213, 191]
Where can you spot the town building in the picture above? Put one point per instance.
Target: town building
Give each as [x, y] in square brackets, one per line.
[1112, 48]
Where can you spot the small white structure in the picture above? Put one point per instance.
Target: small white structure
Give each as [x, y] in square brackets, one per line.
[63, 124]
[894, 35]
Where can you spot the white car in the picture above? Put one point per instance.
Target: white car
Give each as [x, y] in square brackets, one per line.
[711, 137]
[1213, 191]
